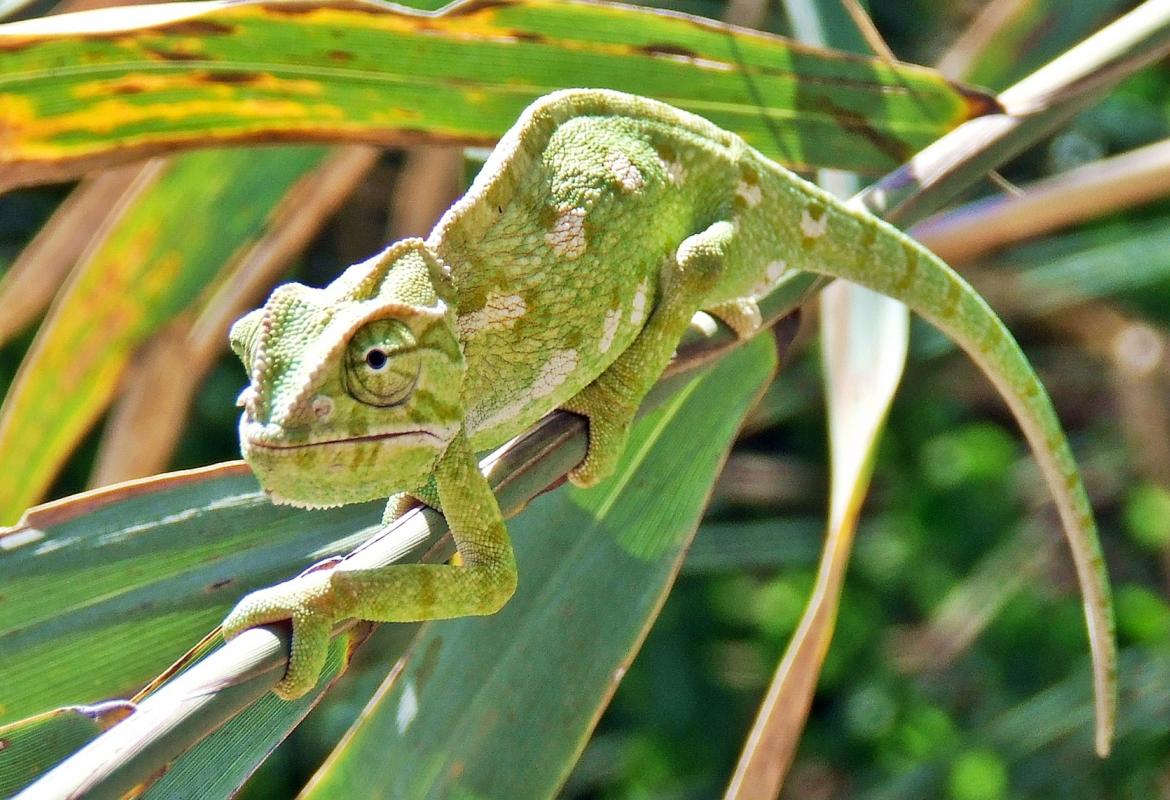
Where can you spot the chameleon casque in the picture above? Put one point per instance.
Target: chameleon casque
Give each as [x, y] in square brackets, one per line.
[565, 278]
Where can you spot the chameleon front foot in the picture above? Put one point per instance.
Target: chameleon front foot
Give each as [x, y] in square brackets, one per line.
[307, 602]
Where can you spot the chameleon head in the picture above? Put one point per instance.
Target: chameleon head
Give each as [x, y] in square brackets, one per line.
[355, 388]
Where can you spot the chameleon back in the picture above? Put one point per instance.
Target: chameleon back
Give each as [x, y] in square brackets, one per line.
[544, 309]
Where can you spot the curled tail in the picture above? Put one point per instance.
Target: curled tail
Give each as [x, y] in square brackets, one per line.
[838, 241]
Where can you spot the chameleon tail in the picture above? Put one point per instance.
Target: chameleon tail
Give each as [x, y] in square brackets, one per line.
[840, 242]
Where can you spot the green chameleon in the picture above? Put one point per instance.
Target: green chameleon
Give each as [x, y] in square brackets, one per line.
[565, 278]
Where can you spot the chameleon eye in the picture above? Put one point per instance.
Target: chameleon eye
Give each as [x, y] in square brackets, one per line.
[382, 363]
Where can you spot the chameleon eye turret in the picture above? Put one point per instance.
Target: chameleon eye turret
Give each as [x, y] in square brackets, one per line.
[382, 363]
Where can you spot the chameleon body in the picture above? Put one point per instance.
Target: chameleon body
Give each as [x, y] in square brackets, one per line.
[564, 278]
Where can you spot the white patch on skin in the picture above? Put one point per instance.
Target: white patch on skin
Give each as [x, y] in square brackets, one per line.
[638, 307]
[624, 170]
[749, 193]
[813, 228]
[567, 237]
[553, 373]
[609, 331]
[407, 708]
[499, 311]
[675, 171]
[772, 274]
[322, 407]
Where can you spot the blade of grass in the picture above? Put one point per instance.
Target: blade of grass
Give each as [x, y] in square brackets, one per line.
[143, 274]
[32, 745]
[864, 339]
[188, 74]
[28, 286]
[1081, 194]
[1010, 38]
[123, 580]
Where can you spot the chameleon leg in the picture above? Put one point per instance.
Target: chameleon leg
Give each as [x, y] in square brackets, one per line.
[742, 315]
[399, 592]
[610, 402]
[398, 504]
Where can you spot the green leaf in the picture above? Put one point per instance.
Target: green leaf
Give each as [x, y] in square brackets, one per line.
[103, 591]
[31, 746]
[76, 88]
[154, 263]
[481, 705]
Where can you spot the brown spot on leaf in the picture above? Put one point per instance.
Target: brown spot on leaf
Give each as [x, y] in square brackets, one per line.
[895, 149]
[171, 55]
[979, 103]
[667, 49]
[527, 36]
[197, 27]
[232, 77]
[220, 584]
[16, 45]
[300, 9]
[5, 744]
[341, 56]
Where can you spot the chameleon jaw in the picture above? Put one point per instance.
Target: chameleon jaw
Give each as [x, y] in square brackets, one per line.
[418, 435]
[355, 469]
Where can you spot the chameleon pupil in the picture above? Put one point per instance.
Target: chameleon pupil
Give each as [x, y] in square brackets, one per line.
[376, 359]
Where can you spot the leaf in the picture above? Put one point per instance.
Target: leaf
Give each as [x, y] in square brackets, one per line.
[29, 747]
[864, 337]
[146, 271]
[28, 286]
[194, 74]
[218, 765]
[128, 578]
[864, 340]
[480, 705]
[1010, 39]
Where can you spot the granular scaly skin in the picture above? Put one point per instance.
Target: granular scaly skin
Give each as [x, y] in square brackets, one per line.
[565, 278]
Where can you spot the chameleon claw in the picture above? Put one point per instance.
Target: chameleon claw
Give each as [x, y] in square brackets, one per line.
[305, 601]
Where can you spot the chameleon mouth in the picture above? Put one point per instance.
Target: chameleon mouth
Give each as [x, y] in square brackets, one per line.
[417, 434]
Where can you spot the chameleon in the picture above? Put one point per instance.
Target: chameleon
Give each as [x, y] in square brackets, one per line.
[564, 278]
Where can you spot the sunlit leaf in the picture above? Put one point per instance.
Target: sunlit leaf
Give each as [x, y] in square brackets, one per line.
[157, 77]
[173, 248]
[127, 579]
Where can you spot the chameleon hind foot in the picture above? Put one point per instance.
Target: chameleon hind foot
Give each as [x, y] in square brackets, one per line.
[742, 315]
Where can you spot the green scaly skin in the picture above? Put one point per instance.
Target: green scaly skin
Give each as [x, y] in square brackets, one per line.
[565, 278]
